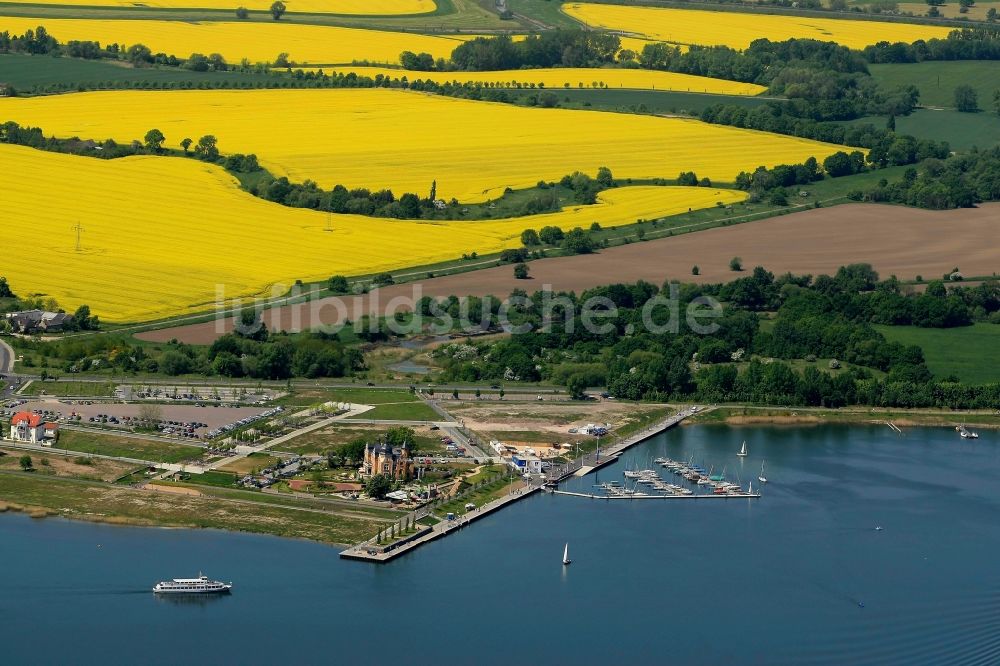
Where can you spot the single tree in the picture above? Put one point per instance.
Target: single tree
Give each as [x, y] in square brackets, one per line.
[530, 237]
[242, 13]
[26, 463]
[378, 486]
[207, 148]
[966, 99]
[154, 140]
[277, 9]
[577, 386]
[695, 270]
[185, 144]
[338, 284]
[736, 264]
[521, 271]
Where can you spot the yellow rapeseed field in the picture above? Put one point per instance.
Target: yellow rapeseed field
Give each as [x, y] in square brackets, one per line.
[689, 26]
[403, 140]
[160, 233]
[557, 78]
[259, 42]
[348, 7]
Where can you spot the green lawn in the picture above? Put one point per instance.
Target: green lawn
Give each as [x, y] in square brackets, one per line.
[25, 72]
[936, 81]
[125, 447]
[972, 353]
[403, 411]
[652, 101]
[962, 131]
[88, 389]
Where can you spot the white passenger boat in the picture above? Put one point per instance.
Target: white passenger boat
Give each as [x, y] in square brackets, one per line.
[199, 585]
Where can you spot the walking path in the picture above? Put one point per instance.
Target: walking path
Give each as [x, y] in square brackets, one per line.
[243, 451]
[371, 552]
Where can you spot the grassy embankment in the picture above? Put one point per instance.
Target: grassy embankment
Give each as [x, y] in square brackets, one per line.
[752, 415]
[48, 496]
[70, 388]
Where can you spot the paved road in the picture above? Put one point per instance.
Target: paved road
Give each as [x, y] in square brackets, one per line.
[6, 358]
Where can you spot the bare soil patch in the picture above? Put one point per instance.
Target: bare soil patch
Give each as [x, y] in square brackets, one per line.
[905, 242]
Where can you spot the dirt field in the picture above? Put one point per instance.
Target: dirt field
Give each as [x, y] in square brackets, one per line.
[543, 425]
[905, 242]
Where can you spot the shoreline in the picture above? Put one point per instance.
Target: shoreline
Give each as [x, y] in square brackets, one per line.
[36, 512]
[746, 415]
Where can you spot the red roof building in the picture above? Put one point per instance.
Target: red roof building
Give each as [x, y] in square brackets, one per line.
[28, 427]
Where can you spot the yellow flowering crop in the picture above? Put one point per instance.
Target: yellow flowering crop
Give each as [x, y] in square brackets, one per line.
[257, 41]
[558, 78]
[347, 7]
[403, 140]
[160, 233]
[737, 29]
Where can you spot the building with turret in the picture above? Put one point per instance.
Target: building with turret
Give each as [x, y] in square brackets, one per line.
[393, 461]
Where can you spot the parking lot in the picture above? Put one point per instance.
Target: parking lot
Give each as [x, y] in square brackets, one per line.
[212, 418]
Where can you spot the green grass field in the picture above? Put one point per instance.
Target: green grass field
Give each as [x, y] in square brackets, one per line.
[936, 81]
[651, 101]
[962, 131]
[125, 447]
[971, 353]
[87, 389]
[402, 411]
[450, 16]
[26, 73]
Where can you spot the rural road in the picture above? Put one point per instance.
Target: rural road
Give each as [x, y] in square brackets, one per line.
[6, 358]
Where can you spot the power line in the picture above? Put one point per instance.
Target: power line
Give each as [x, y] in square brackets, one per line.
[79, 229]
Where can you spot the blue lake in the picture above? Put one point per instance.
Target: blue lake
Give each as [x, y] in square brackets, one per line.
[799, 576]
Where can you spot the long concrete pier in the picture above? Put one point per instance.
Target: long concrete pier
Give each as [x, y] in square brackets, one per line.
[372, 552]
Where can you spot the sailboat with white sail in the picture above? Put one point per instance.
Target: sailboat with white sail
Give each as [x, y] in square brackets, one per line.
[762, 478]
[743, 451]
[566, 559]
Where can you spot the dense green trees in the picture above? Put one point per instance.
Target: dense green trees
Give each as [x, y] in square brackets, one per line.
[825, 317]
[569, 48]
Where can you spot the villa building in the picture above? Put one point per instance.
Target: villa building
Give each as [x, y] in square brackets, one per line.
[391, 461]
[30, 428]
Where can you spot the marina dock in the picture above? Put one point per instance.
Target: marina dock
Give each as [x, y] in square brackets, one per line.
[657, 497]
[370, 551]
[608, 455]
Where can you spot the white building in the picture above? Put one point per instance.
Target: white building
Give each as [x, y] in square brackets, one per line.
[30, 428]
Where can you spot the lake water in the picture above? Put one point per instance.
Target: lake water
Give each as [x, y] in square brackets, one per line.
[798, 577]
